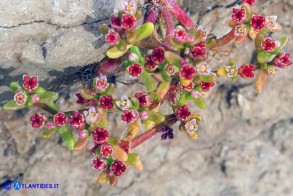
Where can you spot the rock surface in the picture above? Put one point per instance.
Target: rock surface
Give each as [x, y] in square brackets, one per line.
[244, 147]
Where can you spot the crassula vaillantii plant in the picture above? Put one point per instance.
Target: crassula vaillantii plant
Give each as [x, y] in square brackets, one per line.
[169, 54]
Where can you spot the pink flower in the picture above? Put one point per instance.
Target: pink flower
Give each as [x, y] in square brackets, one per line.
[20, 98]
[232, 71]
[100, 136]
[129, 7]
[258, 22]
[123, 103]
[76, 120]
[99, 164]
[239, 15]
[183, 113]
[106, 150]
[101, 83]
[282, 60]
[170, 69]
[272, 71]
[106, 102]
[38, 120]
[91, 116]
[271, 23]
[180, 35]
[187, 71]
[30, 83]
[249, 2]
[144, 99]
[144, 115]
[35, 99]
[158, 55]
[269, 44]
[203, 68]
[128, 21]
[112, 37]
[135, 70]
[191, 126]
[130, 116]
[246, 71]
[118, 168]
[240, 30]
[195, 94]
[60, 119]
[198, 51]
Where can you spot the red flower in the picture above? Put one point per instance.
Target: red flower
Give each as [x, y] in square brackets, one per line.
[118, 168]
[100, 136]
[106, 102]
[106, 150]
[205, 86]
[269, 44]
[239, 15]
[135, 70]
[144, 99]
[183, 113]
[158, 55]
[250, 2]
[246, 71]
[77, 120]
[115, 21]
[149, 64]
[282, 60]
[187, 71]
[59, 119]
[112, 38]
[128, 21]
[99, 164]
[30, 83]
[198, 51]
[38, 120]
[258, 22]
[130, 116]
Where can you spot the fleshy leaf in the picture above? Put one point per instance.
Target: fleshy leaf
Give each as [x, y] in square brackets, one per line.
[40, 90]
[148, 81]
[208, 78]
[173, 58]
[114, 141]
[144, 31]
[184, 98]
[49, 132]
[119, 154]
[222, 72]
[115, 53]
[136, 50]
[163, 89]
[48, 97]
[81, 144]
[261, 81]
[132, 158]
[200, 102]
[15, 86]
[263, 57]
[67, 137]
[156, 117]
[12, 106]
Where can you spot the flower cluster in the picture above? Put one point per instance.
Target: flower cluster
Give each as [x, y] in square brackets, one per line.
[175, 68]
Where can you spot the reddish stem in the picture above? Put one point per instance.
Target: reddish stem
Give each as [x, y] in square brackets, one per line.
[168, 18]
[152, 15]
[225, 39]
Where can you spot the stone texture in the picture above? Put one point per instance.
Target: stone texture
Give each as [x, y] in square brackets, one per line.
[244, 147]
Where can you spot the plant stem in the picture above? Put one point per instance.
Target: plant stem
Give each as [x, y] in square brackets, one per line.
[224, 40]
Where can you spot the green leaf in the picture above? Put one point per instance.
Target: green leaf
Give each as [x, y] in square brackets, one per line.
[49, 132]
[15, 86]
[208, 78]
[199, 102]
[114, 141]
[156, 117]
[12, 106]
[67, 137]
[148, 81]
[48, 97]
[40, 90]
[173, 58]
[114, 53]
[184, 98]
[136, 50]
[132, 158]
[144, 31]
[263, 57]
[283, 43]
